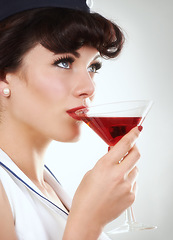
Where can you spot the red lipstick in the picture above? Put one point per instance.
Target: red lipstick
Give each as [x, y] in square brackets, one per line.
[72, 112]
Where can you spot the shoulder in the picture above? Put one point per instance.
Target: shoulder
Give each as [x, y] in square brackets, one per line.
[6, 217]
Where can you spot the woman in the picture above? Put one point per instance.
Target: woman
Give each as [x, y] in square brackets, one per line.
[49, 53]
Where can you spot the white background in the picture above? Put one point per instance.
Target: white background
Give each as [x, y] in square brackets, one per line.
[143, 71]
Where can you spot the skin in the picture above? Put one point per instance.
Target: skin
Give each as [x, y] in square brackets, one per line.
[34, 112]
[41, 93]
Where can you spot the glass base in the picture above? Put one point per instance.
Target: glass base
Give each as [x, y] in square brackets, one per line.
[131, 227]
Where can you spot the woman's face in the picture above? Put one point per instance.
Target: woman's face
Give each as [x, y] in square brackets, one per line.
[46, 86]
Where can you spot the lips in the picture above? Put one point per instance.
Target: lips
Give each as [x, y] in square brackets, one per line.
[72, 112]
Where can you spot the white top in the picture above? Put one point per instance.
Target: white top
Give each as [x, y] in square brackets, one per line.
[35, 217]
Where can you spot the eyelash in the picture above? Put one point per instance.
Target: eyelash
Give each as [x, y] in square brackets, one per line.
[70, 60]
[65, 59]
[97, 66]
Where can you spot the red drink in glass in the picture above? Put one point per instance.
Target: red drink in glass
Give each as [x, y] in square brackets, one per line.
[111, 122]
[111, 129]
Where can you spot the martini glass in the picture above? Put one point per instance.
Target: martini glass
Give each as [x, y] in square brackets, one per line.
[111, 122]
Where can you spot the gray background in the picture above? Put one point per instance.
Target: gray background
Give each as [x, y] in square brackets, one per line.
[143, 71]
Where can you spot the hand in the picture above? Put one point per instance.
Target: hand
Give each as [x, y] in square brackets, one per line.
[106, 190]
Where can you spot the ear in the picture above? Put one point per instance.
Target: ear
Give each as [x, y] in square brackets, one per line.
[4, 88]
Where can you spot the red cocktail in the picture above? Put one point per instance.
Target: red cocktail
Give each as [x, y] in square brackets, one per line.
[111, 122]
[111, 129]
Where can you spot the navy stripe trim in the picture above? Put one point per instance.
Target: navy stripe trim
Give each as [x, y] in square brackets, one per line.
[31, 187]
[52, 174]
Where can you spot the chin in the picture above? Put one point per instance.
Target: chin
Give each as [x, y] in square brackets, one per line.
[69, 136]
[72, 140]
[68, 139]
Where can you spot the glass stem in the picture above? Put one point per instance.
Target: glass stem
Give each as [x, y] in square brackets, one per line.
[130, 218]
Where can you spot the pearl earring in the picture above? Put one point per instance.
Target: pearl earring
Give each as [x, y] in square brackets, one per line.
[6, 91]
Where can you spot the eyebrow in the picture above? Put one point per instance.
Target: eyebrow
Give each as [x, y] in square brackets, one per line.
[97, 56]
[77, 55]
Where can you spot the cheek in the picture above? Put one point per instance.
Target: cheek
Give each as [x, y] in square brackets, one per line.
[39, 92]
[50, 85]
[53, 87]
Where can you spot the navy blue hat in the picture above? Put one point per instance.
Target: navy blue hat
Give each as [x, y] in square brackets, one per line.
[11, 7]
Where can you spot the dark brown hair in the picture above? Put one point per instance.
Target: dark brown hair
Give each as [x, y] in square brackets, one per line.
[59, 30]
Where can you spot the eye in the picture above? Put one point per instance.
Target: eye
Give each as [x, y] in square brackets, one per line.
[95, 67]
[64, 62]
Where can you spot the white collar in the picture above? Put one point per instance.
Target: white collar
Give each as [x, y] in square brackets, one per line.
[7, 163]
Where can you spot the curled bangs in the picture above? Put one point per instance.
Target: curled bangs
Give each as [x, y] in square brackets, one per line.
[67, 30]
[58, 30]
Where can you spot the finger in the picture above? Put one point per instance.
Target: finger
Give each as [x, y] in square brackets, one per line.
[130, 160]
[131, 177]
[134, 189]
[109, 148]
[124, 145]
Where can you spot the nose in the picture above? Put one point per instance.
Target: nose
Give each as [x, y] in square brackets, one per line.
[84, 87]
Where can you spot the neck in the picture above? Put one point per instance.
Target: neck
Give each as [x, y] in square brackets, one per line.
[25, 148]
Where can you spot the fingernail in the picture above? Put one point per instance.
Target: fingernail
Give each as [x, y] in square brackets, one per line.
[140, 128]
